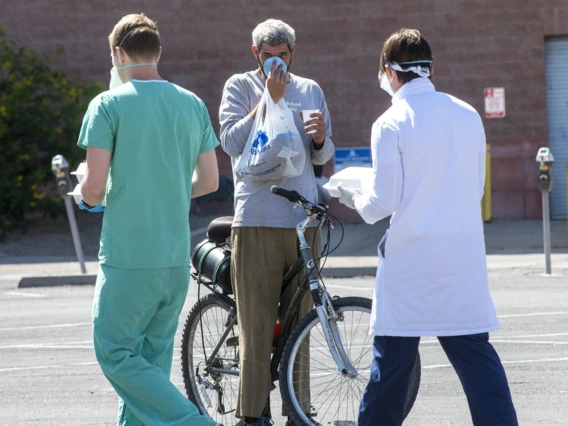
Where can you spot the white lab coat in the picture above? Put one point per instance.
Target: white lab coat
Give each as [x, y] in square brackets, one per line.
[429, 172]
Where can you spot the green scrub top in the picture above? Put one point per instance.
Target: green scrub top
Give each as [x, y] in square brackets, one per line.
[155, 130]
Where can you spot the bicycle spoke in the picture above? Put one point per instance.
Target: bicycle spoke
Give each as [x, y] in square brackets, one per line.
[334, 396]
[310, 385]
[365, 350]
[340, 403]
[312, 360]
[205, 336]
[328, 355]
[357, 383]
[353, 334]
[330, 390]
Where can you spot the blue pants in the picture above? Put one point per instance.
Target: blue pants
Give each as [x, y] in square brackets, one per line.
[476, 362]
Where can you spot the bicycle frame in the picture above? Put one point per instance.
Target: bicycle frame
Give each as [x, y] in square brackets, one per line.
[322, 301]
[324, 308]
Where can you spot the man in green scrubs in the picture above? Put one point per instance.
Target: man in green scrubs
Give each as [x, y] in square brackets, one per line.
[150, 149]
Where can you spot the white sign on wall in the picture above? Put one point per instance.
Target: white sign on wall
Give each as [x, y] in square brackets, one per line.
[494, 102]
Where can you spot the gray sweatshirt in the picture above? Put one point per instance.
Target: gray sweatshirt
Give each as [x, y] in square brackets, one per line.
[255, 205]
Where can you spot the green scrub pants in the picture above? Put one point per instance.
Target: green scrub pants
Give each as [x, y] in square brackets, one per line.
[135, 317]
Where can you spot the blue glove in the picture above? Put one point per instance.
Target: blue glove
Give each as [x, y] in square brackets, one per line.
[96, 209]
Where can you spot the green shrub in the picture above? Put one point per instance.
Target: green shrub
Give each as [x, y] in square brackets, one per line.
[40, 116]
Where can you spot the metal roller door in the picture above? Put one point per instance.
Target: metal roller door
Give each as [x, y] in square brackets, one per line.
[556, 49]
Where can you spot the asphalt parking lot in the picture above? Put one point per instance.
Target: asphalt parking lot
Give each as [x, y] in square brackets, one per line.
[49, 376]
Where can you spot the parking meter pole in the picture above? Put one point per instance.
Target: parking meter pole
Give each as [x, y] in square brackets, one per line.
[75, 234]
[60, 168]
[545, 159]
[546, 230]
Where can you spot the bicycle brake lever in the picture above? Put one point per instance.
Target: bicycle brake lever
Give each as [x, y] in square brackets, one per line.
[330, 223]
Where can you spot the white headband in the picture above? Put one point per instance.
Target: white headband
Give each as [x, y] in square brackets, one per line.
[421, 70]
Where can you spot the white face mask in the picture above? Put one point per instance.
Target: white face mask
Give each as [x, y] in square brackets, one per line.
[385, 83]
[115, 80]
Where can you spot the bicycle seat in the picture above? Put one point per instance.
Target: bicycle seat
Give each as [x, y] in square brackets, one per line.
[220, 229]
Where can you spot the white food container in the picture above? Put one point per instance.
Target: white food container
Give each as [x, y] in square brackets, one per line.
[355, 178]
[80, 172]
[76, 194]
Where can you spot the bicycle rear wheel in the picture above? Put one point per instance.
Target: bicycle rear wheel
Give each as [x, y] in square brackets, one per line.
[213, 392]
[330, 397]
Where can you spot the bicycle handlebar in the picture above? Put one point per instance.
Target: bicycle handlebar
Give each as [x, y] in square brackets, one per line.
[294, 197]
[291, 196]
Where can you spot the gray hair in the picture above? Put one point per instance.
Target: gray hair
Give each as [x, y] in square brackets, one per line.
[273, 32]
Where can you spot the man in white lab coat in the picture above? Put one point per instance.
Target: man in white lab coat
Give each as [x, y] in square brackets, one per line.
[429, 172]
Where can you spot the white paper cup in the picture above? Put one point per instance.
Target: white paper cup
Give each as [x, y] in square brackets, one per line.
[306, 113]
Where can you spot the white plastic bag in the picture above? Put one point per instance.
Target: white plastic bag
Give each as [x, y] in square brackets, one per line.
[274, 149]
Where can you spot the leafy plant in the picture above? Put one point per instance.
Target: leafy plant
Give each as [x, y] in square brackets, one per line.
[40, 116]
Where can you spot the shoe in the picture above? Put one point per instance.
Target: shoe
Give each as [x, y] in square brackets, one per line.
[291, 422]
[263, 421]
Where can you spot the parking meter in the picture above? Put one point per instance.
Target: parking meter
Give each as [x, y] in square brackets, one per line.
[545, 159]
[60, 168]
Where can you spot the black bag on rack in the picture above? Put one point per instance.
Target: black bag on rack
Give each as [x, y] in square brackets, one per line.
[213, 262]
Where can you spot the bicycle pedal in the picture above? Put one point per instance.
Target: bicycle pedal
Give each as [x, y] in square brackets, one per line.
[232, 342]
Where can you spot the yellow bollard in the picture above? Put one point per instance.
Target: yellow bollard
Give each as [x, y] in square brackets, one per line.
[486, 200]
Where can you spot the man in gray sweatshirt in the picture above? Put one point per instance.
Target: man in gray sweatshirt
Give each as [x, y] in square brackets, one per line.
[263, 237]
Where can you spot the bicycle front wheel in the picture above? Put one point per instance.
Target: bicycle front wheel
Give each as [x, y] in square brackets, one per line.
[313, 391]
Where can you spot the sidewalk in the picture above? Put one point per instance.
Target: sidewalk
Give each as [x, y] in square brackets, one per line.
[512, 247]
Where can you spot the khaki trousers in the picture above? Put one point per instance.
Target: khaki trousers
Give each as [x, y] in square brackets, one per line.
[260, 258]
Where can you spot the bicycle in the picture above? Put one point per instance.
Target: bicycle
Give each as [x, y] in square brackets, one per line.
[335, 332]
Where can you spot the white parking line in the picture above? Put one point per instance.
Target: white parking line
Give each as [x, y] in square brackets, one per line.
[34, 327]
[425, 367]
[346, 287]
[512, 339]
[47, 347]
[522, 361]
[44, 367]
[23, 294]
[534, 314]
[526, 336]
[530, 342]
[51, 345]
[39, 367]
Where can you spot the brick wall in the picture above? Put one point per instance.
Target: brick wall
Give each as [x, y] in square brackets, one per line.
[476, 43]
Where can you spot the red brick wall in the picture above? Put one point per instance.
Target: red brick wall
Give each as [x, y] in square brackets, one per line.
[515, 193]
[476, 43]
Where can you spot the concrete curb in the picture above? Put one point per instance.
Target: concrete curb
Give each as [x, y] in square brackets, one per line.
[55, 280]
[62, 280]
